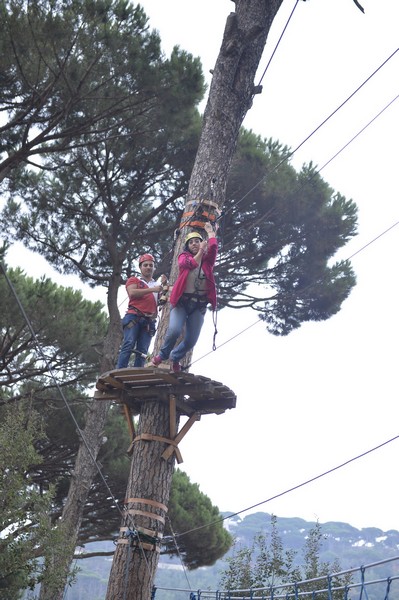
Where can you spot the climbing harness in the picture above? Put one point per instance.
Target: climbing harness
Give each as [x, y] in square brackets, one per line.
[215, 330]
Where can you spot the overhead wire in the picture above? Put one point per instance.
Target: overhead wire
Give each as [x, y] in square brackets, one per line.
[318, 171]
[366, 245]
[293, 488]
[277, 44]
[307, 138]
[291, 153]
[178, 552]
[54, 378]
[372, 120]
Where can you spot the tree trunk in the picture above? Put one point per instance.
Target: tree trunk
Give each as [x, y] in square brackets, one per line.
[231, 94]
[230, 98]
[85, 470]
[150, 478]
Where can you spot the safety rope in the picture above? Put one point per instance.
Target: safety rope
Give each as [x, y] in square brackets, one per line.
[178, 551]
[388, 588]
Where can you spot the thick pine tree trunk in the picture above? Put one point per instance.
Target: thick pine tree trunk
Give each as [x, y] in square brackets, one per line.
[230, 97]
[85, 470]
[150, 478]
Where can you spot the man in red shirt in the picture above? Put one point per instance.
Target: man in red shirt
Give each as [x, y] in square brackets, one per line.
[140, 319]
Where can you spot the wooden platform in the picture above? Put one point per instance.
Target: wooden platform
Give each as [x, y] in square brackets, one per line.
[195, 394]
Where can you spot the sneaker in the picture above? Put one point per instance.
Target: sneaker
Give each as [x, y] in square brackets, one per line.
[176, 367]
[156, 360]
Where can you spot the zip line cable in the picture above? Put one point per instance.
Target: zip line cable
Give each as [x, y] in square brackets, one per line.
[295, 487]
[278, 43]
[369, 243]
[318, 171]
[178, 551]
[307, 138]
[347, 259]
[359, 133]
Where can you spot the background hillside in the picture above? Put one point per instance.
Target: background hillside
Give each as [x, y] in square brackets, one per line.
[352, 547]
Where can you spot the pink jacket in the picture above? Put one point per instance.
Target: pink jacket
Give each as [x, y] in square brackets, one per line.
[187, 263]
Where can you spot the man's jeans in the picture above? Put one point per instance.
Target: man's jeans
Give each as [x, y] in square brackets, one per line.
[137, 332]
[190, 315]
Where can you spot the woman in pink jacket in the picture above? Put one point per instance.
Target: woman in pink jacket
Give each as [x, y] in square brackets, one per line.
[193, 290]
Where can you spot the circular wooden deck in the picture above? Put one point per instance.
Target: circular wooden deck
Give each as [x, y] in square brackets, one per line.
[194, 393]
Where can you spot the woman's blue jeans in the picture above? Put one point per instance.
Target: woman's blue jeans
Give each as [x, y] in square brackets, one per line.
[190, 315]
[137, 334]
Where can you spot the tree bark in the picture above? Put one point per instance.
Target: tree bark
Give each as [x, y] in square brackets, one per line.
[133, 568]
[230, 97]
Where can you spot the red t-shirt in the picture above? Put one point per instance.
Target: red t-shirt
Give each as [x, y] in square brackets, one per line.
[145, 304]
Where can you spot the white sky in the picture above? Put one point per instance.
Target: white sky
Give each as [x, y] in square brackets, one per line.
[327, 393]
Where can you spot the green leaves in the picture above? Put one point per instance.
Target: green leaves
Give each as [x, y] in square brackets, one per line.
[282, 237]
[47, 327]
[23, 507]
[191, 511]
[268, 563]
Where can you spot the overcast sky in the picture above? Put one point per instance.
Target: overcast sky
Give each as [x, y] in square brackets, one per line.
[327, 393]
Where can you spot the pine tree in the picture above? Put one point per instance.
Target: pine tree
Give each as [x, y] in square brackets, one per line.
[268, 565]
[115, 180]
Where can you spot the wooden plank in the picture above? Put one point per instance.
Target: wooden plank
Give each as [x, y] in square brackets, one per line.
[193, 393]
[111, 381]
[106, 395]
[172, 416]
[186, 427]
[129, 420]
[213, 403]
